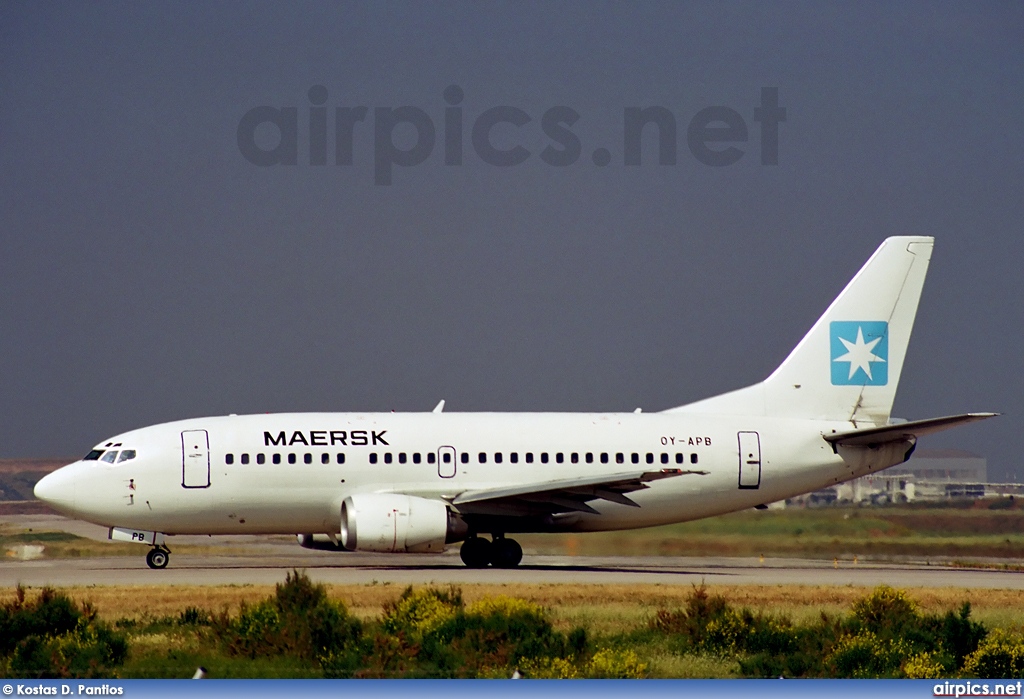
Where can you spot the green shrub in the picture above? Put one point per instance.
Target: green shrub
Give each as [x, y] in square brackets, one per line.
[193, 616]
[431, 633]
[497, 632]
[924, 666]
[701, 610]
[419, 612]
[886, 612]
[607, 663]
[961, 636]
[1000, 655]
[709, 625]
[51, 637]
[300, 621]
[866, 655]
[883, 636]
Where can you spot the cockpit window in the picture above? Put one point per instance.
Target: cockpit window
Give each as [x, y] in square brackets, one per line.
[126, 455]
[110, 456]
[93, 455]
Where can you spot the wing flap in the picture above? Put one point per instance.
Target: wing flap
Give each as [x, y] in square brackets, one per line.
[568, 495]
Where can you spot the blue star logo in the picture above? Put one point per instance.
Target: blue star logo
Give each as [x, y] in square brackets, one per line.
[860, 352]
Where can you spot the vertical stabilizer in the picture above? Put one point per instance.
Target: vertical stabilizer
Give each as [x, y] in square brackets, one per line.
[849, 364]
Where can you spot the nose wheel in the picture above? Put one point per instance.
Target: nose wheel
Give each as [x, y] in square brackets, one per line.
[158, 557]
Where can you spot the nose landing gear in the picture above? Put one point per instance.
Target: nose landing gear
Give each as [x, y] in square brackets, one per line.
[158, 557]
[500, 553]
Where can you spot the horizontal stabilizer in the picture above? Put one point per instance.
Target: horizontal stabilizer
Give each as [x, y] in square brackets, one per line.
[874, 436]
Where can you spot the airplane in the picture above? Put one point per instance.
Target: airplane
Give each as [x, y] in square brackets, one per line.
[417, 482]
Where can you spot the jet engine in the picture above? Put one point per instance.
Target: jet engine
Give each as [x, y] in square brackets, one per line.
[390, 522]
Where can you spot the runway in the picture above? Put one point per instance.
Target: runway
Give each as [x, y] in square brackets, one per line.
[447, 568]
[266, 560]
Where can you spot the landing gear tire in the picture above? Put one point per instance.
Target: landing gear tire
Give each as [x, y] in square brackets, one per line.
[158, 558]
[506, 553]
[476, 552]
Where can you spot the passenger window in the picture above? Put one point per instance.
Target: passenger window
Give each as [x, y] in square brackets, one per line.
[619, 458]
[126, 455]
[416, 458]
[483, 458]
[431, 457]
[575, 458]
[245, 458]
[373, 457]
[693, 458]
[497, 457]
[341, 458]
[650, 458]
[276, 458]
[529, 457]
[93, 455]
[604, 457]
[387, 457]
[325, 458]
[447, 458]
[664, 458]
[463, 457]
[679, 458]
[229, 459]
[559, 458]
[590, 457]
[514, 457]
[109, 457]
[634, 458]
[307, 458]
[260, 459]
[543, 457]
[292, 459]
[401, 457]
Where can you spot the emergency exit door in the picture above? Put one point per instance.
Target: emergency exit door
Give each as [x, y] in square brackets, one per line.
[750, 460]
[195, 459]
[446, 462]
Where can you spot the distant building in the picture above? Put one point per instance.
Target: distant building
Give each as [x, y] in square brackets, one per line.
[947, 465]
[930, 474]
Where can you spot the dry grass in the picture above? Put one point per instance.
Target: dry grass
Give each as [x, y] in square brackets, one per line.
[601, 608]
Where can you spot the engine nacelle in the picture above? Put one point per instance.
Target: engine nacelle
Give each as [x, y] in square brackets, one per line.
[389, 522]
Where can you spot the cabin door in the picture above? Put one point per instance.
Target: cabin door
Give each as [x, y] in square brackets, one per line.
[750, 460]
[195, 459]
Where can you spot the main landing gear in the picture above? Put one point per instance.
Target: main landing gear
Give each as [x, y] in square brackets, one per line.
[500, 553]
[158, 557]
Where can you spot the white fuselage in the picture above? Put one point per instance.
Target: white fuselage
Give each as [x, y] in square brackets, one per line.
[170, 486]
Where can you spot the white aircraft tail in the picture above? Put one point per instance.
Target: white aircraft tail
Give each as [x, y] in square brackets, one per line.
[848, 366]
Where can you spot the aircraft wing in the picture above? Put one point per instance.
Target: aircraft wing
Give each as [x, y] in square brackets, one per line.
[569, 495]
[874, 436]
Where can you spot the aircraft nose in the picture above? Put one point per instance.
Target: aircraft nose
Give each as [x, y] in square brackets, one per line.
[57, 489]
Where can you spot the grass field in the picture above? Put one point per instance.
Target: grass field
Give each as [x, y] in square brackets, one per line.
[974, 529]
[601, 608]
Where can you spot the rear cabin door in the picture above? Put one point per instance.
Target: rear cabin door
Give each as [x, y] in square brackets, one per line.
[195, 459]
[750, 460]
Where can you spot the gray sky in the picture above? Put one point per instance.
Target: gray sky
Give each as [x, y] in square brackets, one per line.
[150, 272]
